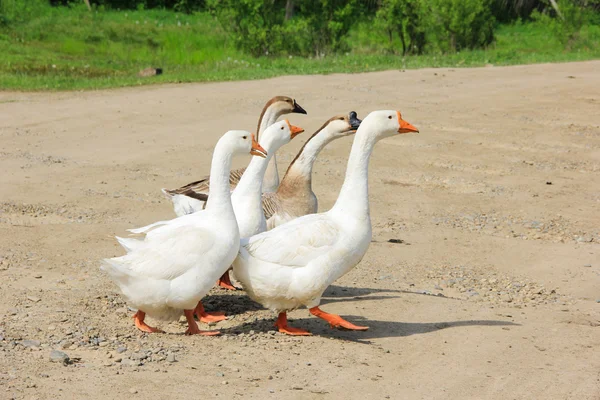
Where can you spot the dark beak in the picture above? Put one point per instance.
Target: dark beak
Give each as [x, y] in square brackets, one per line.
[353, 119]
[297, 109]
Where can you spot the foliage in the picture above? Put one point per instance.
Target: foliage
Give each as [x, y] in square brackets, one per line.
[403, 18]
[458, 24]
[259, 27]
[566, 26]
[15, 11]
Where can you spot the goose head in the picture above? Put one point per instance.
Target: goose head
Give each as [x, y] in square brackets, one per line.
[279, 134]
[242, 142]
[340, 126]
[385, 123]
[284, 105]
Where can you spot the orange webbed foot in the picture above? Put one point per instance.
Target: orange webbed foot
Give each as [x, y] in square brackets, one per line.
[193, 326]
[208, 317]
[225, 282]
[138, 319]
[283, 327]
[335, 321]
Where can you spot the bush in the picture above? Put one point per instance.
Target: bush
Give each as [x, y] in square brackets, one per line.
[261, 27]
[12, 11]
[458, 24]
[567, 25]
[403, 18]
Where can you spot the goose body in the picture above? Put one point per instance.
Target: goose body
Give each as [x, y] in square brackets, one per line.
[192, 197]
[246, 197]
[177, 262]
[291, 265]
[294, 196]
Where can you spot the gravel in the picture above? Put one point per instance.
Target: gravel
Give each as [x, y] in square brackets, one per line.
[58, 356]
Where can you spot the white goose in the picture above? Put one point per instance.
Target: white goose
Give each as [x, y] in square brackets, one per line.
[192, 197]
[292, 265]
[294, 196]
[247, 194]
[178, 261]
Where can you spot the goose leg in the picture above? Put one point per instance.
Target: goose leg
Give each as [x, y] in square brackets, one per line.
[284, 328]
[335, 320]
[225, 282]
[138, 319]
[207, 317]
[193, 326]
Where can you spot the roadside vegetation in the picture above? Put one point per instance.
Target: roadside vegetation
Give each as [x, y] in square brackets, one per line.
[66, 45]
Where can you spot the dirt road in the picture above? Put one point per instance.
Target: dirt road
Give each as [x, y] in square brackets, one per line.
[494, 292]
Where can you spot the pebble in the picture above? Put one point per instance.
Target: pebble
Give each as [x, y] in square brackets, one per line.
[59, 356]
[30, 343]
[121, 349]
[133, 390]
[171, 358]
[220, 374]
[588, 265]
[34, 299]
[224, 383]
[130, 363]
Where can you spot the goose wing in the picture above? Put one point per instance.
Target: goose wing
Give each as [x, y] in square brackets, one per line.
[297, 242]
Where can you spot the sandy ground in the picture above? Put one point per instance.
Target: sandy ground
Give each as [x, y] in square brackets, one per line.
[494, 292]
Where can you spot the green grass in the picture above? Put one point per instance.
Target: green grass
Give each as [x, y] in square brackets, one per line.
[65, 49]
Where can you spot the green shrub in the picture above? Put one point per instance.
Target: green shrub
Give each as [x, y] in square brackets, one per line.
[567, 26]
[403, 18]
[260, 27]
[458, 24]
[14, 11]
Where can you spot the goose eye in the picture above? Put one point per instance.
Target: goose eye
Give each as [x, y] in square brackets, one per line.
[282, 128]
[244, 137]
[390, 117]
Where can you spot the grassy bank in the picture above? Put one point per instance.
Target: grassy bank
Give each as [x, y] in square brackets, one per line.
[62, 49]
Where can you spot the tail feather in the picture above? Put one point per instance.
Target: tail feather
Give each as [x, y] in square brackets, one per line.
[147, 228]
[129, 244]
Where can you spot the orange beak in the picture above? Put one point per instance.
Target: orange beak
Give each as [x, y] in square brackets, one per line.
[257, 149]
[405, 127]
[294, 130]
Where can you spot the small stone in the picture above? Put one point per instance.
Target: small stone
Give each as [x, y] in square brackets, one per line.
[30, 343]
[34, 299]
[38, 277]
[171, 358]
[224, 383]
[588, 265]
[130, 363]
[103, 344]
[133, 390]
[121, 349]
[58, 356]
[220, 374]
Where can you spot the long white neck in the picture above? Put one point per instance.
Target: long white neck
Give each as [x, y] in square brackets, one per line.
[354, 195]
[301, 168]
[247, 196]
[220, 196]
[271, 178]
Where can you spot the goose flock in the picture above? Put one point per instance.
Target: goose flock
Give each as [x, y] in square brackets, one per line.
[281, 250]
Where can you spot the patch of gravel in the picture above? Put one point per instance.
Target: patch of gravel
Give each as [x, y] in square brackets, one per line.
[557, 229]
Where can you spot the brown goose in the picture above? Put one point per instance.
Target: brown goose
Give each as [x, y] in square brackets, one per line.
[294, 197]
[192, 197]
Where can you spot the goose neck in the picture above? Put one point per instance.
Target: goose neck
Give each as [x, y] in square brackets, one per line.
[354, 195]
[220, 197]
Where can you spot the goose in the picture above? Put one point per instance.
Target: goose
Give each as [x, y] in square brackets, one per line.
[294, 196]
[246, 197]
[178, 261]
[192, 197]
[291, 265]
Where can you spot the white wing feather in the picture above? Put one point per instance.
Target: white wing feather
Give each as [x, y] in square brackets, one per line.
[295, 243]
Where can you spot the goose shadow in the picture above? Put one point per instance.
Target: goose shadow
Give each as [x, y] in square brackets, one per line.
[238, 302]
[377, 329]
